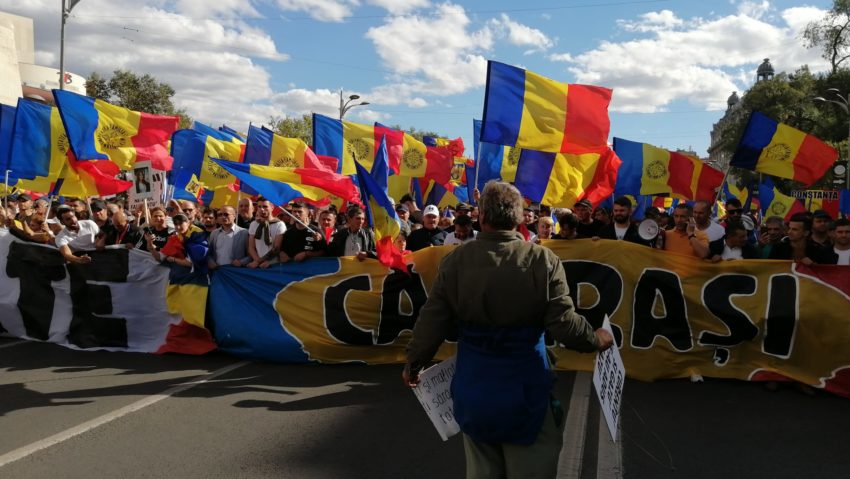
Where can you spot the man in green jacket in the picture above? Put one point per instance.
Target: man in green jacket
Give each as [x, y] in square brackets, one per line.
[499, 294]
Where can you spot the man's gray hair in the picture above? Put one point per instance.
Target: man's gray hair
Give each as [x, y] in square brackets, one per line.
[501, 205]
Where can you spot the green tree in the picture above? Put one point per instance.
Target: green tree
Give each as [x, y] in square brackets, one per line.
[291, 127]
[789, 99]
[418, 134]
[832, 34]
[140, 93]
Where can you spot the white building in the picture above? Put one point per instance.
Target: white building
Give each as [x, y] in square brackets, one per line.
[19, 75]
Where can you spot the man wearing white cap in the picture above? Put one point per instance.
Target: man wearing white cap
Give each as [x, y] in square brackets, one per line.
[429, 234]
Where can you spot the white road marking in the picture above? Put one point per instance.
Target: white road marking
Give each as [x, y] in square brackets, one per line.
[569, 462]
[609, 455]
[55, 439]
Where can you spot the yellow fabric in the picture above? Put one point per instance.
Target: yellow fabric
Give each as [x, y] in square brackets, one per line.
[818, 344]
[187, 301]
[544, 113]
[571, 175]
[116, 126]
[777, 157]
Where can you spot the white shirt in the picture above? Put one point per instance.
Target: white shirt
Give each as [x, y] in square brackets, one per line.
[452, 240]
[843, 256]
[714, 231]
[224, 246]
[731, 253]
[620, 231]
[81, 240]
[275, 229]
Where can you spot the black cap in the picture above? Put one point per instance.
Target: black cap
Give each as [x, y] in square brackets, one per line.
[24, 197]
[180, 218]
[462, 207]
[402, 207]
[584, 202]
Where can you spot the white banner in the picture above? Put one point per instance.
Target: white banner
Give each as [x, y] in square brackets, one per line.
[116, 302]
[435, 394]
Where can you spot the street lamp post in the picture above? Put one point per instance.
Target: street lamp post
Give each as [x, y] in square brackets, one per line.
[67, 6]
[344, 106]
[843, 102]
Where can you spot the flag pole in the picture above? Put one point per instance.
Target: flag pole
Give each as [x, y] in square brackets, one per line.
[299, 221]
[477, 167]
[725, 178]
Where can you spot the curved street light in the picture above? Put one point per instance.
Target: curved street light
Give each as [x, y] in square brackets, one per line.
[843, 102]
[346, 105]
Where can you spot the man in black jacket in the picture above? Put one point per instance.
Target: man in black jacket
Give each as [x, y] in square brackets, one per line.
[622, 227]
[429, 234]
[797, 246]
[354, 239]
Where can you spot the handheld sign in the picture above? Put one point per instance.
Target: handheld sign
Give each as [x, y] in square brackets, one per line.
[435, 395]
[608, 377]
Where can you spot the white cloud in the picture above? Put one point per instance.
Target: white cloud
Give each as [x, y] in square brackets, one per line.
[399, 7]
[561, 57]
[417, 103]
[521, 35]
[652, 21]
[300, 101]
[444, 36]
[209, 61]
[697, 60]
[754, 9]
[324, 10]
[369, 116]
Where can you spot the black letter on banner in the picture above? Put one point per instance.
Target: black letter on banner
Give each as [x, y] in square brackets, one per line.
[393, 321]
[674, 324]
[717, 297]
[92, 325]
[36, 267]
[608, 285]
[336, 318]
[781, 315]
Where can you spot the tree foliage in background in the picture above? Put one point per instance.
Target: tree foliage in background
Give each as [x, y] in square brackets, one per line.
[832, 34]
[294, 127]
[140, 93]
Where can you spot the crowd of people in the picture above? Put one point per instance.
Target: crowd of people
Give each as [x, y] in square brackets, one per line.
[258, 234]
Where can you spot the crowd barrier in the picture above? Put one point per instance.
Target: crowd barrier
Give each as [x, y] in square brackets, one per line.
[673, 316]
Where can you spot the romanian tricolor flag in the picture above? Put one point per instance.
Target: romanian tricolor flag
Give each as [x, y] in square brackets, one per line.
[230, 131]
[382, 215]
[41, 160]
[282, 185]
[527, 110]
[267, 148]
[193, 150]
[648, 170]
[560, 180]
[98, 130]
[775, 203]
[780, 150]
[39, 144]
[344, 140]
[492, 161]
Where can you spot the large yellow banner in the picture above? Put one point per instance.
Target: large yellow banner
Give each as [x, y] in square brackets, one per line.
[673, 315]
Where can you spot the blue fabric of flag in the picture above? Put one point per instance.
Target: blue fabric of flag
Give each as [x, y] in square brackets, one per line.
[327, 138]
[31, 141]
[7, 127]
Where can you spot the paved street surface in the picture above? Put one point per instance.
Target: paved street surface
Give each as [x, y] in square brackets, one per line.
[74, 414]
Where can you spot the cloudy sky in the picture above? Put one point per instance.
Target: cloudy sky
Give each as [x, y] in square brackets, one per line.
[422, 63]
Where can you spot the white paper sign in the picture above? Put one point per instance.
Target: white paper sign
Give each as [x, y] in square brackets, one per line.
[147, 185]
[435, 394]
[608, 378]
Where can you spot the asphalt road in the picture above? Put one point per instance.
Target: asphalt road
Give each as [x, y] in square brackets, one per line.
[71, 414]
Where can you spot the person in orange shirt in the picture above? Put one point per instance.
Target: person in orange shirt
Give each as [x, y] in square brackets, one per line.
[685, 238]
